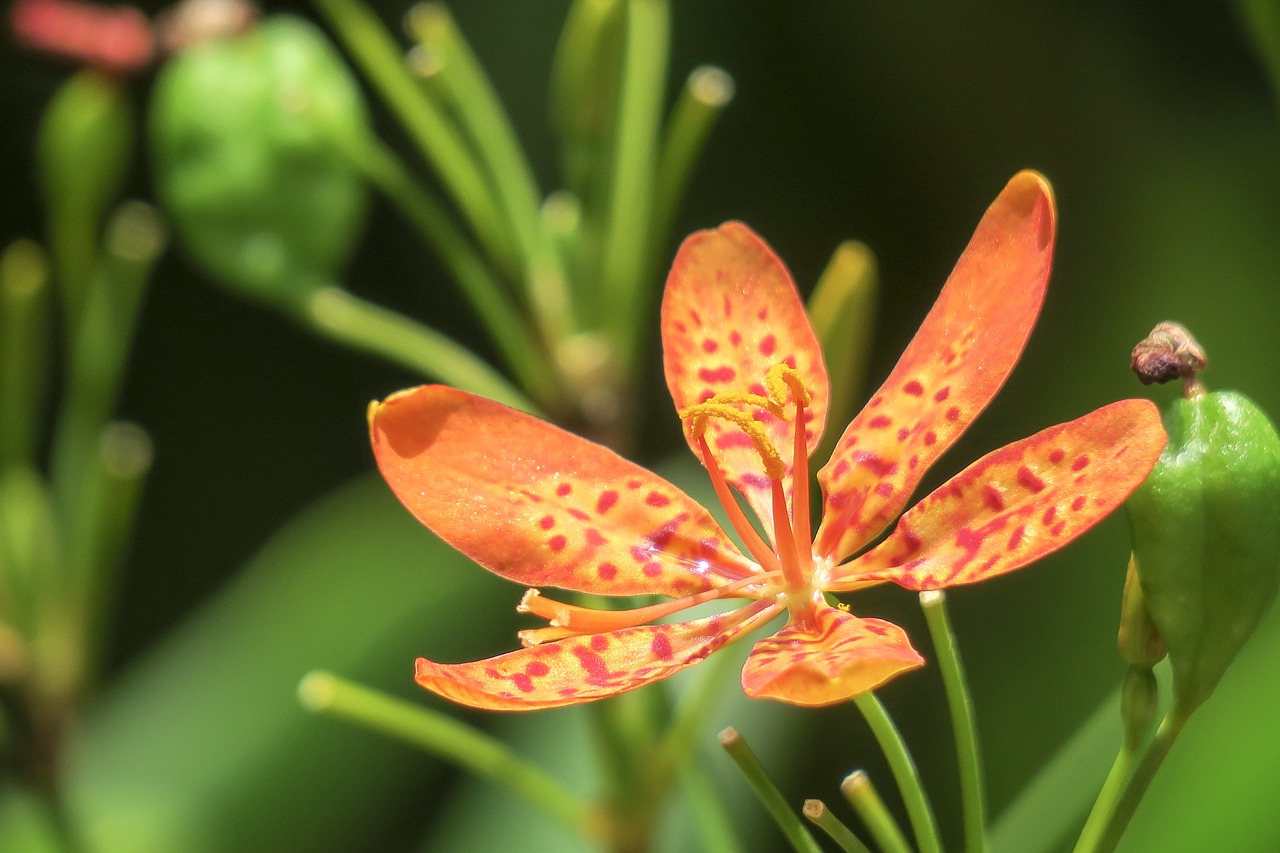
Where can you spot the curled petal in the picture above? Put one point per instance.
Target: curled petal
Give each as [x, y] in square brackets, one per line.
[730, 312]
[959, 358]
[829, 659]
[543, 507]
[583, 669]
[1019, 503]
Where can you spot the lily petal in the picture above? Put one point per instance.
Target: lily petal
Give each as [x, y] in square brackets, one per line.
[582, 669]
[831, 659]
[729, 313]
[543, 507]
[1019, 503]
[959, 358]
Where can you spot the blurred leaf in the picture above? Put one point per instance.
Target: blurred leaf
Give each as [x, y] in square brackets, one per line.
[202, 746]
[27, 823]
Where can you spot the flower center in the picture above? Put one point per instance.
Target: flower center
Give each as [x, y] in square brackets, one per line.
[792, 550]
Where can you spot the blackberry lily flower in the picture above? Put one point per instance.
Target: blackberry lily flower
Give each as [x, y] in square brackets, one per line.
[542, 507]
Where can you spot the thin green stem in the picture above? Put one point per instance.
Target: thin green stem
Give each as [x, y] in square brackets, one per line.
[1107, 836]
[481, 117]
[625, 267]
[351, 320]
[820, 816]
[24, 292]
[449, 739]
[923, 823]
[430, 129]
[960, 704]
[786, 818]
[1108, 797]
[521, 353]
[705, 95]
[866, 801]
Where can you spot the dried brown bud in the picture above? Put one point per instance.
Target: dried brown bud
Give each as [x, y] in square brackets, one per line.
[1168, 353]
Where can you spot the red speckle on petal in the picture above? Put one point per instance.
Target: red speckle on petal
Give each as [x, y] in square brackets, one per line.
[756, 481]
[763, 314]
[710, 346]
[903, 434]
[634, 484]
[599, 643]
[1016, 538]
[661, 647]
[606, 501]
[563, 489]
[942, 394]
[1078, 504]
[1057, 529]
[656, 499]
[992, 497]
[722, 374]
[557, 543]
[595, 539]
[578, 514]
[914, 388]
[546, 522]
[768, 346]
[522, 682]
[913, 462]
[884, 489]
[1049, 515]
[842, 468]
[568, 691]
[537, 668]
[930, 438]
[607, 571]
[652, 569]
[1080, 462]
[953, 413]
[968, 539]
[1028, 480]
[727, 440]
[875, 463]
[695, 316]
[735, 338]
[879, 422]
[1056, 455]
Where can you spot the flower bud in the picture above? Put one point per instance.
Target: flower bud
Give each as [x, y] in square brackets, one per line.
[1206, 536]
[251, 137]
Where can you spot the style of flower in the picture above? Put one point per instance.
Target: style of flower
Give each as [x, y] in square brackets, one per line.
[545, 508]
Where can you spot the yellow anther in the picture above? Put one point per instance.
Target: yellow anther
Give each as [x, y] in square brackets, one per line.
[784, 381]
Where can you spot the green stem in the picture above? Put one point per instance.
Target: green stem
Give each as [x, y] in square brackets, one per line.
[904, 770]
[485, 124]
[430, 129]
[374, 329]
[788, 821]
[1108, 797]
[449, 739]
[1107, 836]
[24, 276]
[960, 704]
[526, 358]
[625, 267]
[866, 801]
[820, 816]
[705, 95]
[715, 828]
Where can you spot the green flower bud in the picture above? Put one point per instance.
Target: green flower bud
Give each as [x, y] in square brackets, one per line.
[1139, 639]
[251, 138]
[1206, 536]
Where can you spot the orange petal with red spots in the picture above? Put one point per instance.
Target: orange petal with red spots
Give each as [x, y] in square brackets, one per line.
[832, 659]
[543, 507]
[1019, 503]
[959, 358]
[729, 313]
[583, 669]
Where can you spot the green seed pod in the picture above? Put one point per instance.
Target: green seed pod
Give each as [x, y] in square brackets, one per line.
[1206, 536]
[251, 137]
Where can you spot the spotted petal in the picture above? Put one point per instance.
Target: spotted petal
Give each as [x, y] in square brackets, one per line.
[729, 313]
[581, 669]
[957, 361]
[1019, 503]
[543, 507]
[832, 659]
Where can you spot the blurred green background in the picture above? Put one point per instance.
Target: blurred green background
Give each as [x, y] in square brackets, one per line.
[895, 124]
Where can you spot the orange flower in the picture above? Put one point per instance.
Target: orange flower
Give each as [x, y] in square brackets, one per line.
[542, 507]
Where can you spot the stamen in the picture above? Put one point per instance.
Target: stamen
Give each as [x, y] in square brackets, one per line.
[754, 542]
[796, 582]
[800, 490]
[569, 619]
[752, 428]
